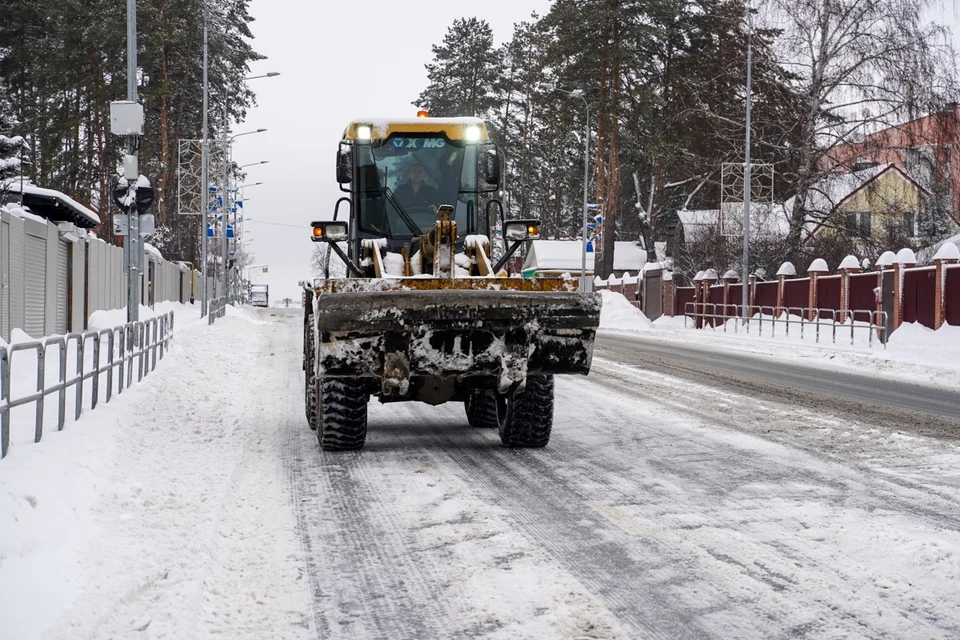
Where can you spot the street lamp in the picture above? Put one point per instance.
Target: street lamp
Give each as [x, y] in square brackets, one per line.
[253, 164]
[578, 93]
[206, 157]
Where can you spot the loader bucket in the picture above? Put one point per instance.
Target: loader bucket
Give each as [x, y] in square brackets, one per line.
[397, 334]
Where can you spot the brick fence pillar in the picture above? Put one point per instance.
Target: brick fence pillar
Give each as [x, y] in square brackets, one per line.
[897, 295]
[940, 298]
[845, 291]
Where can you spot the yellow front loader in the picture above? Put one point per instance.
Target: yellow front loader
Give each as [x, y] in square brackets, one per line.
[412, 306]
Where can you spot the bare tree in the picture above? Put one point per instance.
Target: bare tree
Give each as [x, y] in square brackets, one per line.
[863, 65]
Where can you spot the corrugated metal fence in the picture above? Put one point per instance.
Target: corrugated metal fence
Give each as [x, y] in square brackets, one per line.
[51, 282]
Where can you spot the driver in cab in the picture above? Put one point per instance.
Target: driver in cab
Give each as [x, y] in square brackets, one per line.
[415, 192]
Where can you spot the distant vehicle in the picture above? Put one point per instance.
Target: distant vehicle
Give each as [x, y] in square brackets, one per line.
[260, 295]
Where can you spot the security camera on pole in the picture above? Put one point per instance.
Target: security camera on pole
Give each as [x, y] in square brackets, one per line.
[132, 192]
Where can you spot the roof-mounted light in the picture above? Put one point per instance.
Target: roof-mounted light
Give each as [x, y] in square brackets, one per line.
[473, 133]
[423, 113]
[364, 132]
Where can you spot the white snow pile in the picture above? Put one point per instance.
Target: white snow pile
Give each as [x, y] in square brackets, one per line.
[619, 315]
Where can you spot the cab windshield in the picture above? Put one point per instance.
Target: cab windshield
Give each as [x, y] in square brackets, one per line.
[404, 179]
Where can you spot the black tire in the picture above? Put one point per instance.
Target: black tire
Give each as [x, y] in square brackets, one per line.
[485, 411]
[529, 417]
[309, 376]
[342, 414]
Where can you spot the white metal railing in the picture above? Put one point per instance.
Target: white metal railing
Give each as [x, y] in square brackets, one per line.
[140, 340]
[873, 322]
[218, 307]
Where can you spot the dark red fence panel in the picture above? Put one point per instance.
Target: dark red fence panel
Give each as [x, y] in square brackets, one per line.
[862, 294]
[796, 294]
[631, 291]
[682, 296]
[919, 291]
[952, 296]
[828, 296]
[733, 300]
[765, 296]
[715, 298]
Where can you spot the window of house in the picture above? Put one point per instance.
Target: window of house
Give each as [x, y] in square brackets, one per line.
[910, 223]
[860, 222]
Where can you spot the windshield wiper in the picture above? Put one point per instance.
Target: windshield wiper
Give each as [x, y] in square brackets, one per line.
[407, 220]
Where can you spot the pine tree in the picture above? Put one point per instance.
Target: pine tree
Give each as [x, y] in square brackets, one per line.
[463, 73]
[11, 145]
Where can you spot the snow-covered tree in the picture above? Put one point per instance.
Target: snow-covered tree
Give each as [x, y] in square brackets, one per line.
[463, 72]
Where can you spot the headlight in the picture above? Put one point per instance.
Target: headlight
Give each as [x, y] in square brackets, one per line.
[473, 133]
[519, 230]
[364, 132]
[329, 231]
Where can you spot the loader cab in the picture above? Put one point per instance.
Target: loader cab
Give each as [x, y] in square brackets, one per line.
[399, 173]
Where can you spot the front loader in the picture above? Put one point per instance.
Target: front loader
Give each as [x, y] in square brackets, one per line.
[412, 307]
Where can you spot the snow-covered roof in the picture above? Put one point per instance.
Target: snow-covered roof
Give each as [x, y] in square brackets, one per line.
[766, 220]
[566, 255]
[88, 216]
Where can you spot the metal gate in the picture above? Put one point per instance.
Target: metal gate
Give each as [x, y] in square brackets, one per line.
[652, 281]
[34, 284]
[63, 285]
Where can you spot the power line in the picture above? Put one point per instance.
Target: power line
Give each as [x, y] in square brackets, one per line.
[277, 224]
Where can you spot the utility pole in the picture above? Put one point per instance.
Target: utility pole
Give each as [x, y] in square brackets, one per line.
[205, 160]
[225, 192]
[747, 180]
[132, 245]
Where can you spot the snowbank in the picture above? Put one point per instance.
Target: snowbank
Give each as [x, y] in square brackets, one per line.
[618, 314]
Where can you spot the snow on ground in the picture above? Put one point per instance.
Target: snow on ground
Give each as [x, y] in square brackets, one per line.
[618, 314]
[913, 354]
[162, 512]
[23, 369]
[197, 504]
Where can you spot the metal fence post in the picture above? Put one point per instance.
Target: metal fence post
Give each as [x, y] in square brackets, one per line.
[79, 408]
[62, 396]
[41, 368]
[5, 399]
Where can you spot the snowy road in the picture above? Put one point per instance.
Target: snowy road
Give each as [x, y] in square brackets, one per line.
[663, 508]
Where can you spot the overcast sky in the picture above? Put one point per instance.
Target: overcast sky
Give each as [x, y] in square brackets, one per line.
[339, 61]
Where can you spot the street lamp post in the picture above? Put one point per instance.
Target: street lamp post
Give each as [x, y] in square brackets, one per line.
[747, 179]
[578, 93]
[205, 155]
[225, 194]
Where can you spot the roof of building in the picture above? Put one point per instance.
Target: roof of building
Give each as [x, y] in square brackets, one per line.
[53, 205]
[567, 255]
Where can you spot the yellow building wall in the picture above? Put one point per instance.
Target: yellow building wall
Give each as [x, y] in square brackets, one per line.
[888, 193]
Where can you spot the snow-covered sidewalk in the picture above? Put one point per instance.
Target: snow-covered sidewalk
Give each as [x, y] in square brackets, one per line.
[913, 354]
[165, 511]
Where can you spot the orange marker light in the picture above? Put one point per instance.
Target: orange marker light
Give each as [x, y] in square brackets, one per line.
[317, 232]
[423, 113]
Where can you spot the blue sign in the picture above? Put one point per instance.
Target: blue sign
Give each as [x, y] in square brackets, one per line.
[209, 231]
[598, 218]
[229, 230]
[589, 247]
